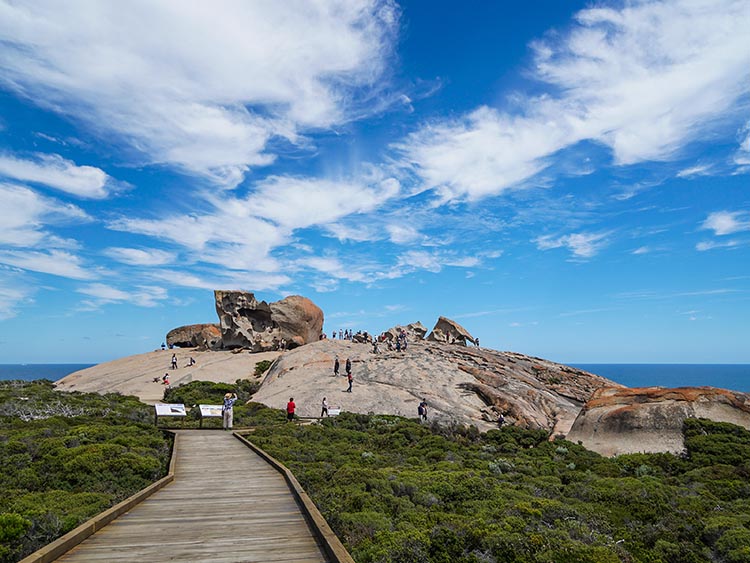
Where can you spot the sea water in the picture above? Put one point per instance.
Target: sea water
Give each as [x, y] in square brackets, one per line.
[29, 372]
[727, 376]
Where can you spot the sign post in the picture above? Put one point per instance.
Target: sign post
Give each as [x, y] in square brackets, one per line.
[210, 411]
[166, 409]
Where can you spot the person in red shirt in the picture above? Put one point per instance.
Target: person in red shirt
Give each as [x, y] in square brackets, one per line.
[290, 406]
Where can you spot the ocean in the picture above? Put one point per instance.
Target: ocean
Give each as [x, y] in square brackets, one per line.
[727, 376]
[29, 372]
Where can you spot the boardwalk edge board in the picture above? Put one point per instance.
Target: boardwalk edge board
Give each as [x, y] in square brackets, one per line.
[63, 544]
[329, 541]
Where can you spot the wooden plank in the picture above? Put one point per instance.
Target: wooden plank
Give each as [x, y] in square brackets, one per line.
[226, 505]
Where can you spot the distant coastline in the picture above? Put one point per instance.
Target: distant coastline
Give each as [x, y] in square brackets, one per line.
[29, 372]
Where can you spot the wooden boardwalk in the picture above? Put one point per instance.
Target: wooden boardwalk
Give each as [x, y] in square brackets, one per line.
[225, 505]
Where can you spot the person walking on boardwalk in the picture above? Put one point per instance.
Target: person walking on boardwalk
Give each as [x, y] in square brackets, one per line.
[290, 407]
[336, 366]
[227, 414]
[348, 366]
[350, 379]
[324, 408]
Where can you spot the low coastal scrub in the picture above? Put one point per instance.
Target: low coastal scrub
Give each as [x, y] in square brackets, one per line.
[68, 456]
[196, 393]
[399, 492]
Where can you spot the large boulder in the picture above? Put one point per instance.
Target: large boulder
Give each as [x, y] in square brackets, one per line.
[447, 331]
[259, 326]
[205, 336]
[649, 419]
[414, 332]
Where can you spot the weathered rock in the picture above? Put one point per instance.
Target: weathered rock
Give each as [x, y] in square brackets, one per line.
[414, 331]
[621, 420]
[205, 336]
[450, 332]
[466, 385]
[260, 326]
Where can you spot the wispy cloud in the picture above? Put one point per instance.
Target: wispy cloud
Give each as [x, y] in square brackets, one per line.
[727, 222]
[198, 86]
[25, 217]
[54, 262]
[643, 80]
[140, 257]
[142, 295]
[56, 172]
[15, 293]
[711, 245]
[698, 170]
[582, 245]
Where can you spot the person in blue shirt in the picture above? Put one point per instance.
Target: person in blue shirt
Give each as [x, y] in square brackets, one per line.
[226, 410]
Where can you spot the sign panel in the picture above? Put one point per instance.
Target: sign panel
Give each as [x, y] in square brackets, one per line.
[165, 409]
[208, 411]
[334, 411]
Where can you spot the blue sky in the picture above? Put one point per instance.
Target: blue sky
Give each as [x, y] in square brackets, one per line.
[568, 180]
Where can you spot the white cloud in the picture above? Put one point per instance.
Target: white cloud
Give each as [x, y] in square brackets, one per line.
[241, 233]
[24, 214]
[199, 86]
[54, 262]
[727, 222]
[140, 257]
[56, 172]
[644, 81]
[582, 245]
[142, 295]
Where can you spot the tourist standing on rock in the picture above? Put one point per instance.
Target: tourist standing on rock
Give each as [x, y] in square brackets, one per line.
[422, 410]
[476, 341]
[174, 361]
[324, 408]
[336, 366]
[348, 366]
[500, 420]
[350, 379]
[227, 413]
[290, 406]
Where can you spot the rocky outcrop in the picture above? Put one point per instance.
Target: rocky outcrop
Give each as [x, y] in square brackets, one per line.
[450, 332]
[205, 336]
[622, 420]
[414, 331]
[465, 385]
[258, 326]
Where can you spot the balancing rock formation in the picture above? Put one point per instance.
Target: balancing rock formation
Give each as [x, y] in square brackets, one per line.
[618, 420]
[450, 332]
[259, 326]
[204, 336]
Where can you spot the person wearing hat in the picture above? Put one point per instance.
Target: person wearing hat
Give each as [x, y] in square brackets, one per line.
[226, 410]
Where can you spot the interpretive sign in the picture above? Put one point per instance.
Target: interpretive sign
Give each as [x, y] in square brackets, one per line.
[208, 411]
[334, 411]
[164, 409]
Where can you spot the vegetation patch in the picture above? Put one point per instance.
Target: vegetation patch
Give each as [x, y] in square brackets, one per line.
[67, 457]
[399, 492]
